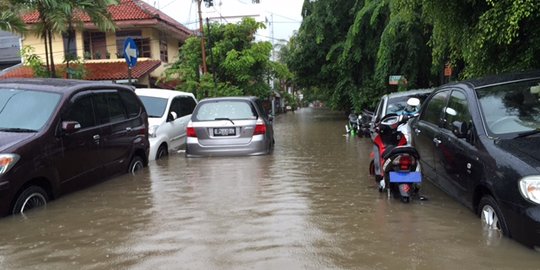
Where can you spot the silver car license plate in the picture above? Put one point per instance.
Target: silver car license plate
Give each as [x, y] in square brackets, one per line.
[224, 131]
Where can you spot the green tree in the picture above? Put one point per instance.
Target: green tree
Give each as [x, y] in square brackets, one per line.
[33, 61]
[345, 50]
[361, 49]
[484, 37]
[10, 19]
[239, 65]
[317, 48]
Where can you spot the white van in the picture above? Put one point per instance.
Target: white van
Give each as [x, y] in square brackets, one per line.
[169, 112]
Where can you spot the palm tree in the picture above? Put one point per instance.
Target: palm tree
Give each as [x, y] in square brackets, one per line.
[10, 19]
[95, 9]
[61, 16]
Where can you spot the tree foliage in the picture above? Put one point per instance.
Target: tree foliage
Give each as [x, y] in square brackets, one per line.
[345, 50]
[10, 19]
[239, 65]
[34, 62]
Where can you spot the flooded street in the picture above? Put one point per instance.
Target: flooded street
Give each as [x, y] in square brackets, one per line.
[309, 205]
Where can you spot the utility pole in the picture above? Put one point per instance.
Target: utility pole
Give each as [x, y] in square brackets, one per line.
[273, 59]
[272, 36]
[201, 30]
[211, 53]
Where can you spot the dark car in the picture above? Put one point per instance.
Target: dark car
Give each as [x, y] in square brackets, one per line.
[479, 141]
[60, 135]
[229, 126]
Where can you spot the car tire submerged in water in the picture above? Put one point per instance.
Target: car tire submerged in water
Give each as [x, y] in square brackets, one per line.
[491, 216]
[162, 151]
[31, 197]
[135, 165]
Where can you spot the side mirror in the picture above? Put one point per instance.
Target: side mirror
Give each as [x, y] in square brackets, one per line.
[460, 129]
[70, 126]
[403, 118]
[413, 102]
[450, 111]
[172, 116]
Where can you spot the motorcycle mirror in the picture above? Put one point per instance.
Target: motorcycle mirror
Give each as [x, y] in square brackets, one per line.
[404, 118]
[413, 102]
[450, 111]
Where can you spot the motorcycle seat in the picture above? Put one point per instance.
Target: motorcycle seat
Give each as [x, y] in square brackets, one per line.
[396, 150]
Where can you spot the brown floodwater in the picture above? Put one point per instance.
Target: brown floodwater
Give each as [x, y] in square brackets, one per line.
[309, 205]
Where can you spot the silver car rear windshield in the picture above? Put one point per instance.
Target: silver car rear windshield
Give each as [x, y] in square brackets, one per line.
[512, 108]
[231, 109]
[26, 110]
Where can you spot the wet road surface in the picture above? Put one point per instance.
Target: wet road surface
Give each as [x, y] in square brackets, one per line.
[308, 205]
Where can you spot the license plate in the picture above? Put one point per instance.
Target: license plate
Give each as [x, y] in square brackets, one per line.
[405, 177]
[224, 131]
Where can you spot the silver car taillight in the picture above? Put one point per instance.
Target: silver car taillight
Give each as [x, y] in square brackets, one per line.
[260, 127]
[190, 131]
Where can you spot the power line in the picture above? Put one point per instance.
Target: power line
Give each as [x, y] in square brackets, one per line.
[190, 7]
[286, 22]
[285, 17]
[272, 12]
[168, 4]
[220, 16]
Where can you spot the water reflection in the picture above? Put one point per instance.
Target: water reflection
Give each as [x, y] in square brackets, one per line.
[309, 205]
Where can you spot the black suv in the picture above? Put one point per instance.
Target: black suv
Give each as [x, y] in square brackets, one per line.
[60, 135]
[479, 141]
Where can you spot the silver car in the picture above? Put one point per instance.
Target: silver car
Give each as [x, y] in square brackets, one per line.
[229, 126]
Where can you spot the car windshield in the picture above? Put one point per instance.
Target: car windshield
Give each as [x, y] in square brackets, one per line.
[26, 110]
[512, 108]
[225, 109]
[155, 106]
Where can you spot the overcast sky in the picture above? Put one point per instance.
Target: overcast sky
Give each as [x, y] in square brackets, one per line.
[286, 14]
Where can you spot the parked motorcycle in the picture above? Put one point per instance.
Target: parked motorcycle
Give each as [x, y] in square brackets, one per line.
[398, 174]
[352, 126]
[364, 120]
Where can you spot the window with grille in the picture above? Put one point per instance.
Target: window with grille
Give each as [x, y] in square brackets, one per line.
[95, 45]
[163, 54]
[143, 44]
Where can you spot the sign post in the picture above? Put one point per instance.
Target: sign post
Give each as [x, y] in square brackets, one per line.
[130, 54]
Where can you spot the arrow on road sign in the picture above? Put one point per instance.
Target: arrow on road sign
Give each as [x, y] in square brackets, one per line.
[130, 52]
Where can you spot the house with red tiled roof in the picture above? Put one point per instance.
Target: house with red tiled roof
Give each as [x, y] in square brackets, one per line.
[158, 38]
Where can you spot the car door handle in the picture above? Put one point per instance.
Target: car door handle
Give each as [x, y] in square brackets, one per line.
[96, 138]
[437, 141]
[128, 129]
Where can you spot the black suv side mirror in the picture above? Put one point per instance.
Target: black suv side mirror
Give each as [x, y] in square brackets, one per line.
[70, 126]
[460, 129]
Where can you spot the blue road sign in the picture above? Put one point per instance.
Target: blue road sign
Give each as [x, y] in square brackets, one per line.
[130, 52]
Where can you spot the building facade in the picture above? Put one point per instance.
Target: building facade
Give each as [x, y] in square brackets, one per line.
[158, 38]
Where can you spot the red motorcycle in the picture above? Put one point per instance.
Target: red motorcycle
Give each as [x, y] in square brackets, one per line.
[394, 162]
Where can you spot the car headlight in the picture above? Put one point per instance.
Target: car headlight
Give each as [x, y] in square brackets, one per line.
[7, 161]
[152, 131]
[530, 188]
